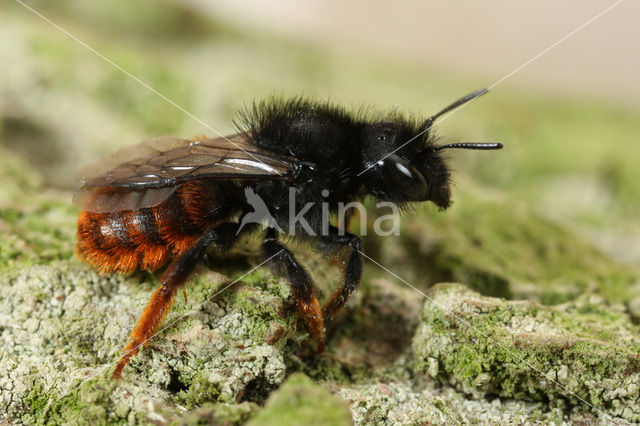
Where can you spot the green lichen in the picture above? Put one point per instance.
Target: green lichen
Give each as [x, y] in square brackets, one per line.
[581, 351]
[88, 401]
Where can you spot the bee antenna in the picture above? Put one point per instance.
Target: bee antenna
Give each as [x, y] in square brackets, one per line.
[429, 122]
[470, 145]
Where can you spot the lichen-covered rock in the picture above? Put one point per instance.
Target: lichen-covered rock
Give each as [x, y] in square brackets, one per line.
[581, 352]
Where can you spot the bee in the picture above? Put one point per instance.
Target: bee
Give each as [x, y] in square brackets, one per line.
[166, 200]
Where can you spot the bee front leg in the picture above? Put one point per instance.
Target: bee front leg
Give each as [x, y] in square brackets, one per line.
[303, 290]
[353, 272]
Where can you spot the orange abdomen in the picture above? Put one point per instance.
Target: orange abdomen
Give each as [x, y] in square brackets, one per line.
[144, 239]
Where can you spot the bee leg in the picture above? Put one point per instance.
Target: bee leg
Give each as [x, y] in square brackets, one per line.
[303, 291]
[353, 272]
[174, 277]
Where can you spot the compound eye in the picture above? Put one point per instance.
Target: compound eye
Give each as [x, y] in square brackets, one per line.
[404, 178]
[403, 170]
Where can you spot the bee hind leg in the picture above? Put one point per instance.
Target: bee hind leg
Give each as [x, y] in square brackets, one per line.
[174, 277]
[303, 289]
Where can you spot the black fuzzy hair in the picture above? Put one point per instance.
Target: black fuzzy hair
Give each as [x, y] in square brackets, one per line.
[267, 112]
[263, 114]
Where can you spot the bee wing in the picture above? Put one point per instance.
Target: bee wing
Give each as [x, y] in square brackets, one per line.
[109, 199]
[146, 174]
[167, 161]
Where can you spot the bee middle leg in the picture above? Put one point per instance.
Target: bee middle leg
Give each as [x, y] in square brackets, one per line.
[353, 273]
[174, 277]
[303, 290]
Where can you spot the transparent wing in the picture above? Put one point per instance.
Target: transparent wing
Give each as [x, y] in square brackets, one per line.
[167, 161]
[107, 199]
[146, 174]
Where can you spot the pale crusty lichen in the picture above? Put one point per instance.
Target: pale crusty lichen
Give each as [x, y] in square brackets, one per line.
[402, 403]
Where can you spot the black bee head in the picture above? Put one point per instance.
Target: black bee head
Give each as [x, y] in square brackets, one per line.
[400, 173]
[404, 164]
[402, 161]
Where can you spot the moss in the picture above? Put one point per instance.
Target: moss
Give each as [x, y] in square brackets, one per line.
[225, 414]
[200, 389]
[523, 350]
[36, 400]
[46, 232]
[299, 401]
[88, 402]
